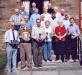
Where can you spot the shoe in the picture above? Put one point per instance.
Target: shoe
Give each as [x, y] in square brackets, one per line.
[22, 67]
[40, 65]
[50, 59]
[35, 65]
[71, 61]
[15, 70]
[29, 66]
[59, 61]
[45, 60]
[76, 60]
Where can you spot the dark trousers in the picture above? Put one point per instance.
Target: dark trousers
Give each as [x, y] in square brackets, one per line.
[60, 50]
[37, 53]
[17, 27]
[71, 47]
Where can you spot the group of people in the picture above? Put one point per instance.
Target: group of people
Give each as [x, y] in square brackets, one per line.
[38, 34]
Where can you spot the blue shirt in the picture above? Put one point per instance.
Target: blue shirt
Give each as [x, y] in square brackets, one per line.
[31, 11]
[33, 19]
[28, 24]
[66, 23]
[23, 13]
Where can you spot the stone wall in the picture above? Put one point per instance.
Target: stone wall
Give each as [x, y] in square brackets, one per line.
[6, 10]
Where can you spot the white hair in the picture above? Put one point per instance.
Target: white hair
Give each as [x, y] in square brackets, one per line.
[16, 10]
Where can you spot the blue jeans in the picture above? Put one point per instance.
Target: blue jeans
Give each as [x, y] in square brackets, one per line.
[11, 57]
[47, 50]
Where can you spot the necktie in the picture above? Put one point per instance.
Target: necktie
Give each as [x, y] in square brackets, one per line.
[13, 35]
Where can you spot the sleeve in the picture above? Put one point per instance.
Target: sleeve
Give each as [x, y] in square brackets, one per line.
[64, 30]
[33, 33]
[6, 37]
[43, 33]
[18, 37]
[78, 30]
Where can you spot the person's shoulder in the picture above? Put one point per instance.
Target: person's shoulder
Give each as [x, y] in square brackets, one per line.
[34, 26]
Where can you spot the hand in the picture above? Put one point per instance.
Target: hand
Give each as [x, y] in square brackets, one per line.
[9, 42]
[73, 37]
[37, 39]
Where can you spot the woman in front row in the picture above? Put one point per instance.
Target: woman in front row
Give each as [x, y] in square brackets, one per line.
[60, 34]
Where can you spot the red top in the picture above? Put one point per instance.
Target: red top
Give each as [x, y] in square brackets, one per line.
[60, 31]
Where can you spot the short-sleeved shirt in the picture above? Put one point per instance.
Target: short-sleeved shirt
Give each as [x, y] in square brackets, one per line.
[16, 19]
[23, 13]
[60, 31]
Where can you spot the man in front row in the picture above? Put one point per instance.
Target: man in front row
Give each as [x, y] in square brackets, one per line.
[11, 38]
[38, 35]
[25, 46]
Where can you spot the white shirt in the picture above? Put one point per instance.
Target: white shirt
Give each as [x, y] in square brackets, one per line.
[9, 35]
[38, 30]
[54, 23]
[48, 32]
[58, 15]
[43, 23]
[47, 16]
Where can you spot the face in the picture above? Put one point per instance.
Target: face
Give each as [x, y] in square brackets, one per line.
[12, 26]
[45, 10]
[23, 25]
[38, 23]
[22, 8]
[59, 23]
[49, 6]
[42, 17]
[66, 16]
[62, 12]
[36, 11]
[34, 5]
[47, 24]
[53, 15]
[72, 21]
[17, 12]
[25, 19]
